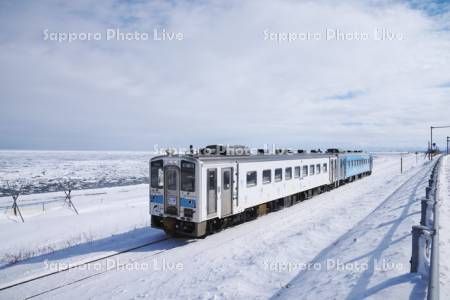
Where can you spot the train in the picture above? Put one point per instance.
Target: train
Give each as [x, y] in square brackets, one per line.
[199, 193]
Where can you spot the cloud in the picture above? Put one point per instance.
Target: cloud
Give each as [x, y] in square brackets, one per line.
[444, 85]
[347, 95]
[224, 82]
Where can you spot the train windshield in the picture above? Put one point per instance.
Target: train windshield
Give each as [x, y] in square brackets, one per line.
[172, 179]
[157, 174]
[187, 176]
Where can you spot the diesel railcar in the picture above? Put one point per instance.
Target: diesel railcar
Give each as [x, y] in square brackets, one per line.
[197, 194]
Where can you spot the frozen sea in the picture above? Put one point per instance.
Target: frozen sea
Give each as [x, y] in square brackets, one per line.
[46, 171]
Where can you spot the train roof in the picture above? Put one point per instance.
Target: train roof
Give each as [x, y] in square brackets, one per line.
[261, 157]
[265, 157]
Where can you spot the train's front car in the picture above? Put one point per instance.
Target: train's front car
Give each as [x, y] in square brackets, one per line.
[174, 194]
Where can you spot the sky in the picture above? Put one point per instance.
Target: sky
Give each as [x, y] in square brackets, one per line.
[232, 77]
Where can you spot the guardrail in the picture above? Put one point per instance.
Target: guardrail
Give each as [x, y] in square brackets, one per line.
[425, 237]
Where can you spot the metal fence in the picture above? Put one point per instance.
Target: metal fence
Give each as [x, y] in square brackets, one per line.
[425, 237]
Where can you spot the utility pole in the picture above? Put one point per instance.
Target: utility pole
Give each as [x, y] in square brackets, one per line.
[431, 136]
[448, 140]
[431, 142]
[401, 163]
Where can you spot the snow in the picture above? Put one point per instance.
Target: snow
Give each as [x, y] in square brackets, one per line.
[365, 223]
[444, 227]
[101, 214]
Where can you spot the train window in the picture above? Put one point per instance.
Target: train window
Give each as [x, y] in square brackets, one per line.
[187, 176]
[226, 180]
[318, 169]
[288, 173]
[251, 178]
[305, 171]
[278, 175]
[267, 176]
[212, 191]
[157, 174]
[296, 172]
[311, 170]
[172, 179]
[325, 168]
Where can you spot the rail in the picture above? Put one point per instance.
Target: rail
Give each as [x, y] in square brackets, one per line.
[425, 237]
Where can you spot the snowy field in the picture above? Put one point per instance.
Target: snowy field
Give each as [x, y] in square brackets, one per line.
[43, 171]
[353, 242]
[102, 213]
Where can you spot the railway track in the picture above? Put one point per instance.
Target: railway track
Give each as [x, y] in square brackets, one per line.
[83, 264]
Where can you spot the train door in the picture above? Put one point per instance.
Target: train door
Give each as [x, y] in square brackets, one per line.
[227, 191]
[211, 187]
[333, 169]
[171, 190]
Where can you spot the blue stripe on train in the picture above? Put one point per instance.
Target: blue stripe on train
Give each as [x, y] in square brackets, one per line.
[183, 201]
[187, 202]
[157, 199]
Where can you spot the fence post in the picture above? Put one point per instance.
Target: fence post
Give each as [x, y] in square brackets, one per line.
[418, 253]
[425, 214]
[428, 192]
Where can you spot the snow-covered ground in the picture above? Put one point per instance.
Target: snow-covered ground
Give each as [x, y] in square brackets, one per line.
[102, 213]
[352, 242]
[43, 171]
[444, 230]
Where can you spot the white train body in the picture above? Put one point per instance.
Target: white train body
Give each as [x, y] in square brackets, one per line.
[196, 195]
